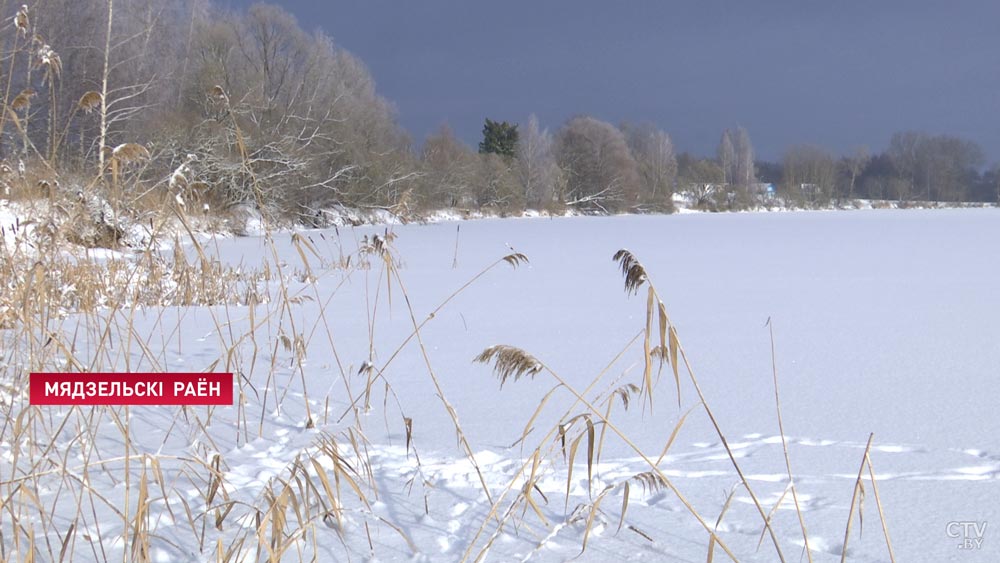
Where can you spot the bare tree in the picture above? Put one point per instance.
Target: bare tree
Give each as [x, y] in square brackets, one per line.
[956, 166]
[105, 73]
[743, 172]
[496, 186]
[810, 173]
[653, 151]
[904, 152]
[726, 153]
[536, 168]
[313, 127]
[939, 167]
[600, 171]
[303, 112]
[451, 171]
[853, 165]
[736, 157]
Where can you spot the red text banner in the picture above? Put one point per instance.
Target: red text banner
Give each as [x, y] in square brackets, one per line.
[131, 389]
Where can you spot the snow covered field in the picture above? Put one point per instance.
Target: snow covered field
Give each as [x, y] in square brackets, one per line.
[885, 322]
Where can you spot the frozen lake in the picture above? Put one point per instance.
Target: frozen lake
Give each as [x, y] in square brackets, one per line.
[885, 322]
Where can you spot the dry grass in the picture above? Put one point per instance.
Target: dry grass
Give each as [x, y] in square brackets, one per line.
[577, 426]
[60, 285]
[53, 296]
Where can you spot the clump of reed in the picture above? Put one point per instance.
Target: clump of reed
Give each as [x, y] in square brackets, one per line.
[579, 436]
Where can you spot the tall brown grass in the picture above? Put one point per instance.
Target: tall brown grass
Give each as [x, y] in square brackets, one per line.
[577, 425]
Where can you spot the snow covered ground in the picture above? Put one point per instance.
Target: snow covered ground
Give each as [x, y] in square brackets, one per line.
[884, 322]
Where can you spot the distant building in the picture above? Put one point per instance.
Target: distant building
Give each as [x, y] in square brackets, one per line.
[763, 189]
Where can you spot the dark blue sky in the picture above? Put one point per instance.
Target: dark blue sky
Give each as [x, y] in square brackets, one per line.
[837, 73]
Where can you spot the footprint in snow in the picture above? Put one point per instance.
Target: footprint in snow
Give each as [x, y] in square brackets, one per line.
[660, 498]
[818, 544]
[898, 449]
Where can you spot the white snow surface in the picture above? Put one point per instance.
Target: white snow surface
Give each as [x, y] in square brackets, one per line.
[885, 322]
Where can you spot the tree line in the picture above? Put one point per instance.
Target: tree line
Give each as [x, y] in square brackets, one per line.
[592, 165]
[184, 101]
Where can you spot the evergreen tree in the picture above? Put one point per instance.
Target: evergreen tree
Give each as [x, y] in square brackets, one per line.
[499, 137]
